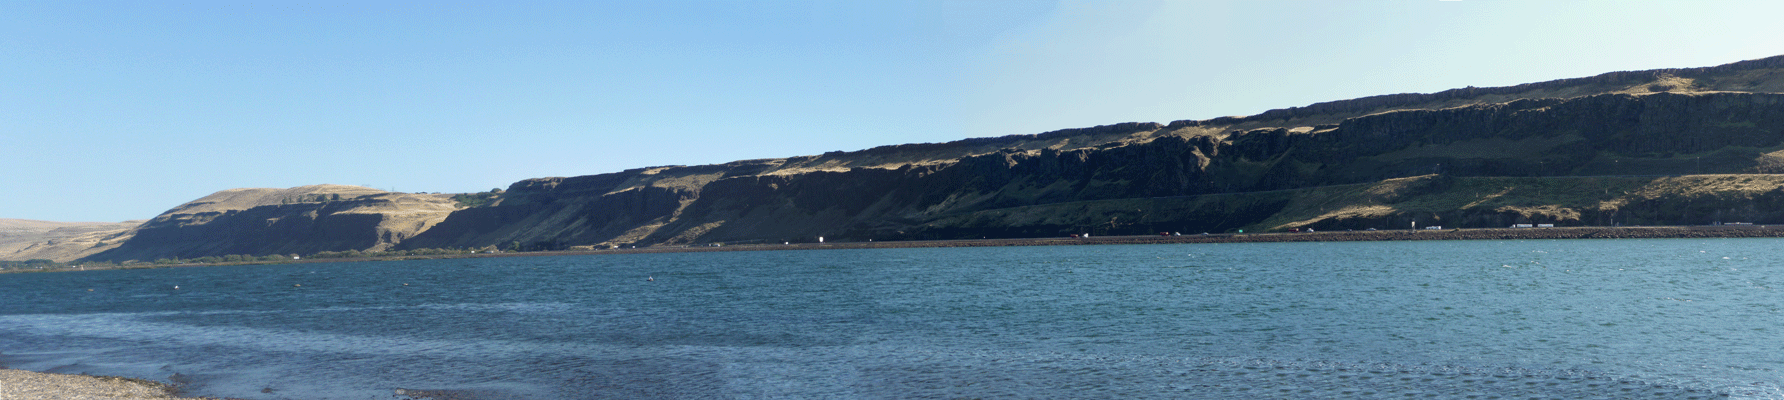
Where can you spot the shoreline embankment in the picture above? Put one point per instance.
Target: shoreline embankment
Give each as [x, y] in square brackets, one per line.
[1598, 232]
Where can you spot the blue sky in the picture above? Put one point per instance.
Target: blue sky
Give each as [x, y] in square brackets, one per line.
[116, 110]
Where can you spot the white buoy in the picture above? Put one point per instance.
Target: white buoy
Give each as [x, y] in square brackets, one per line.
[176, 287]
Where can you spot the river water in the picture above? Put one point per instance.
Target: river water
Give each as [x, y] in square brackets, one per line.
[1561, 319]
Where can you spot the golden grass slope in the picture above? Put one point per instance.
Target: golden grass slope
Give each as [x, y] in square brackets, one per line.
[246, 198]
[61, 241]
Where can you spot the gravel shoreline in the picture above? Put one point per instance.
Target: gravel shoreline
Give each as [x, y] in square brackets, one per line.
[27, 385]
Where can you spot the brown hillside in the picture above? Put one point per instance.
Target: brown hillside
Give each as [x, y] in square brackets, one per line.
[299, 220]
[61, 241]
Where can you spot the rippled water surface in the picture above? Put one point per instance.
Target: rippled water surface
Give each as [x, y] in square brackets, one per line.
[1464, 319]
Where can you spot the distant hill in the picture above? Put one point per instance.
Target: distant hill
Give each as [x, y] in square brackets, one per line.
[25, 225]
[1669, 146]
[22, 239]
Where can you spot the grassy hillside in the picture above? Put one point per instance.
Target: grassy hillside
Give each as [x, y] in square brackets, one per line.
[263, 221]
[22, 240]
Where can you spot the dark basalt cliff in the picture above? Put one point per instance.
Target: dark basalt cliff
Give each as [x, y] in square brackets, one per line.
[260, 230]
[1609, 149]
[1610, 134]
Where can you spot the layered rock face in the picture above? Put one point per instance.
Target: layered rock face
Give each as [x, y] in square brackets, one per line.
[301, 220]
[1602, 150]
[1172, 168]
